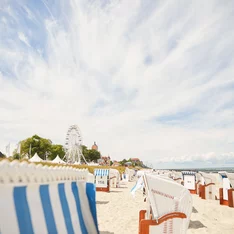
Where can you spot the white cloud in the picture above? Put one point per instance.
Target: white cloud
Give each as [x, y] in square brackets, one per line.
[23, 38]
[149, 81]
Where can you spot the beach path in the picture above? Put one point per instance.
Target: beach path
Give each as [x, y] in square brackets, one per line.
[118, 211]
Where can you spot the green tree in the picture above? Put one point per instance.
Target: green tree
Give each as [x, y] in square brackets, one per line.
[123, 162]
[56, 150]
[93, 155]
[90, 154]
[85, 152]
[37, 145]
[16, 156]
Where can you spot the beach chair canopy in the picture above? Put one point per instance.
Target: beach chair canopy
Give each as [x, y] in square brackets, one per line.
[101, 172]
[177, 175]
[208, 177]
[42, 199]
[231, 179]
[114, 173]
[223, 174]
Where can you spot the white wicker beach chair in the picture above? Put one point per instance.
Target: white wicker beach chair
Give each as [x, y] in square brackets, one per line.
[189, 181]
[114, 178]
[223, 190]
[218, 184]
[199, 181]
[208, 189]
[41, 199]
[169, 207]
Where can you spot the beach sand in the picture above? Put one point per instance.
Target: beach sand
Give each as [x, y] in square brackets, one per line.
[210, 217]
[118, 211]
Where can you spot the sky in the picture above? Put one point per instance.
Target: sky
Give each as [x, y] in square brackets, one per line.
[147, 79]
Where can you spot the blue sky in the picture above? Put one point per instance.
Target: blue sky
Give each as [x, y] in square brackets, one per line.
[147, 79]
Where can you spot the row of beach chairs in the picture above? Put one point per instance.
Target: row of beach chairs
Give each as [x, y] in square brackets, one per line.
[215, 186]
[169, 200]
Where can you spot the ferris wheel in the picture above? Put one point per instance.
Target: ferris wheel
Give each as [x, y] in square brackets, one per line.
[73, 145]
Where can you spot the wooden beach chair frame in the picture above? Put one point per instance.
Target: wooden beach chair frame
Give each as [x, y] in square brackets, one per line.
[230, 201]
[144, 224]
[203, 188]
[198, 182]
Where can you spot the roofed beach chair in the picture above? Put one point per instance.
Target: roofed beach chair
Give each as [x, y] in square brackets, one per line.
[114, 178]
[207, 191]
[177, 176]
[199, 181]
[218, 184]
[223, 191]
[41, 199]
[102, 182]
[189, 180]
[169, 207]
[230, 190]
[126, 175]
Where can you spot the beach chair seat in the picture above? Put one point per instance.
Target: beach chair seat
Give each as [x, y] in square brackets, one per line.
[41, 199]
[169, 207]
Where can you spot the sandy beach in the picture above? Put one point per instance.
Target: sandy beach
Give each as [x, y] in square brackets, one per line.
[118, 213]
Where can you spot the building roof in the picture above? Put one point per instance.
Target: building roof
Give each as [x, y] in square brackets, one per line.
[135, 159]
[105, 157]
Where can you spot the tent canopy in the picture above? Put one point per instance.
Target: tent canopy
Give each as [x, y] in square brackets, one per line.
[58, 160]
[36, 158]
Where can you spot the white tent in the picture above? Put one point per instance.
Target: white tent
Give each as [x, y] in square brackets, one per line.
[58, 160]
[36, 158]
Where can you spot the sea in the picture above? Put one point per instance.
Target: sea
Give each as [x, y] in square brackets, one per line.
[214, 170]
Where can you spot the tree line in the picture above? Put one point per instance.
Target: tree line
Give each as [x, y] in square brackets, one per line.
[46, 150]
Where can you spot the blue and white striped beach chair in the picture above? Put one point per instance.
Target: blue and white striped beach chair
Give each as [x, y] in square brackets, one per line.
[102, 179]
[46, 205]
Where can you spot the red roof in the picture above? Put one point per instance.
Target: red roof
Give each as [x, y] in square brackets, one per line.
[135, 159]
